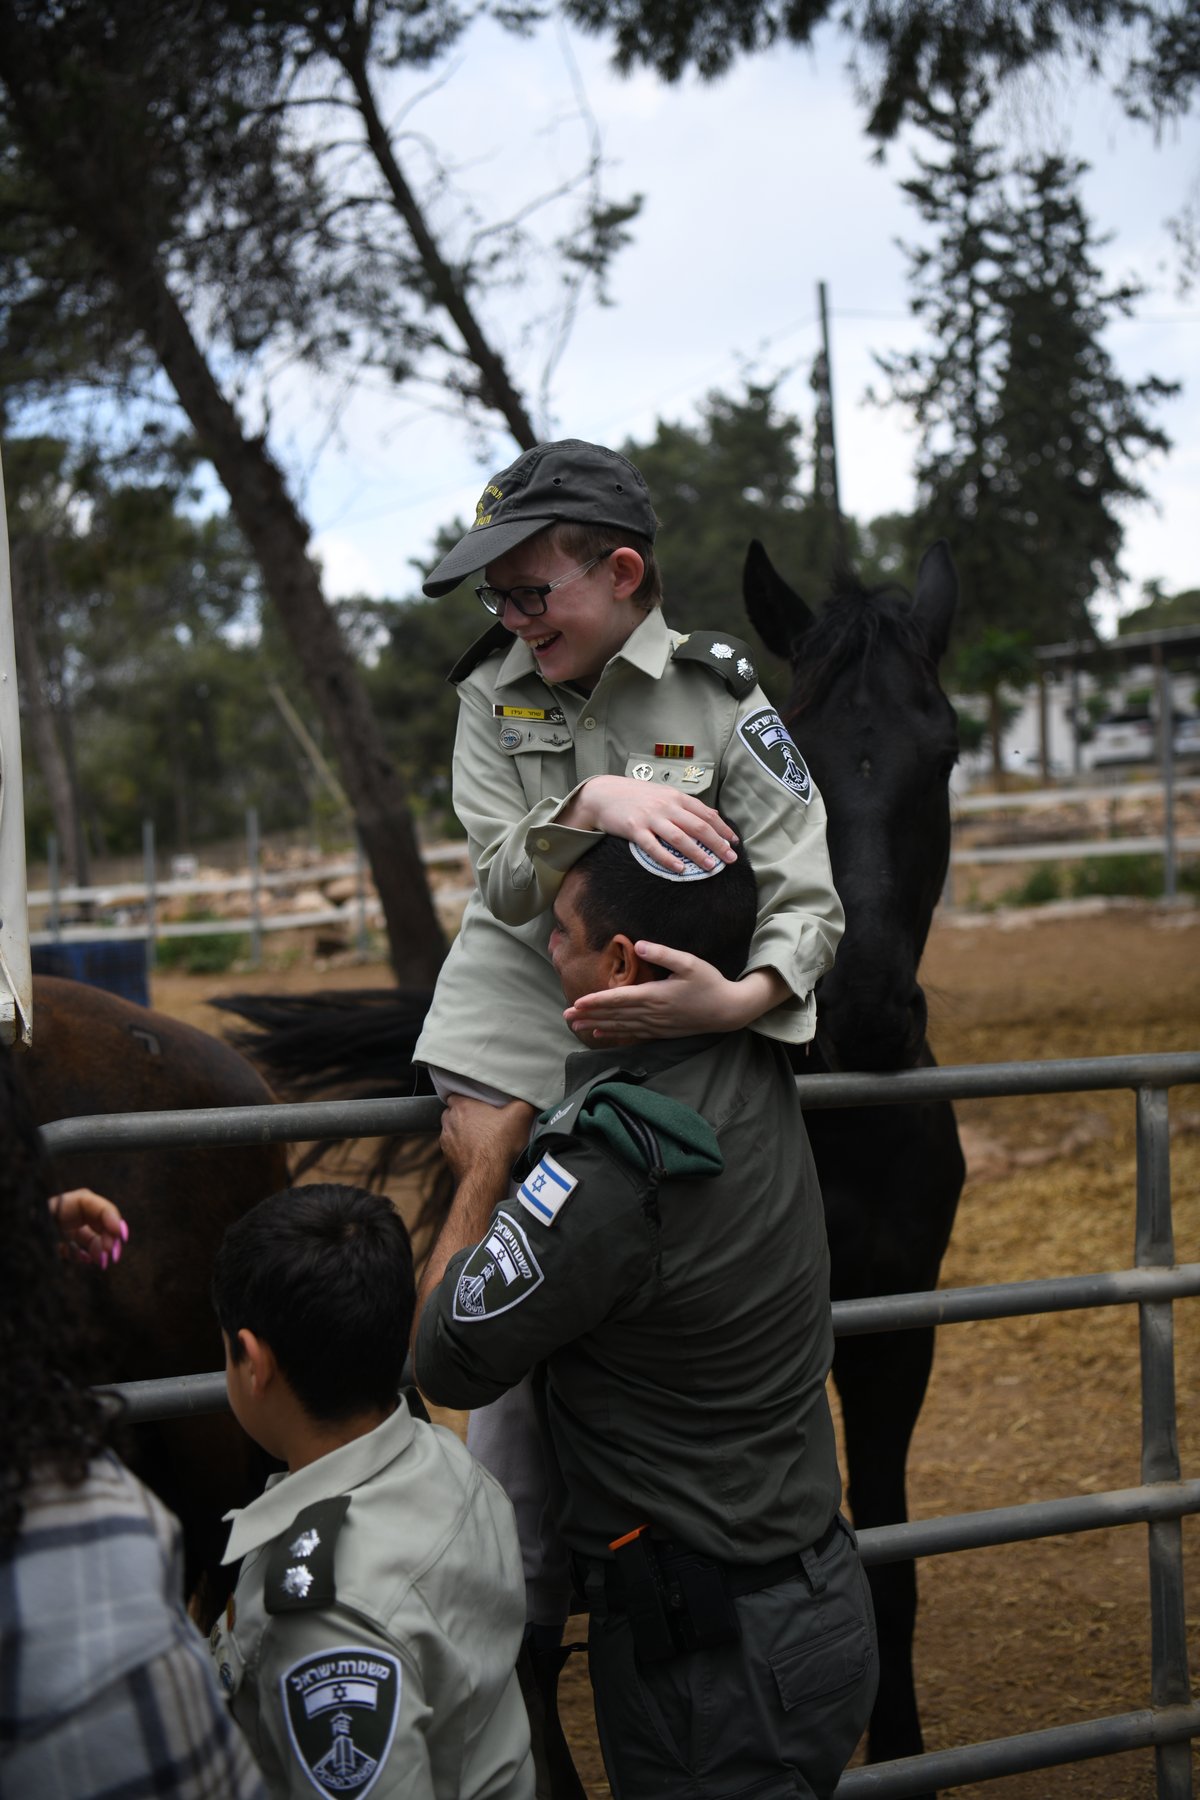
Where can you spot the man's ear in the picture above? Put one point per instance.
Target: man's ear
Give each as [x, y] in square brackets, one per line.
[627, 572]
[625, 966]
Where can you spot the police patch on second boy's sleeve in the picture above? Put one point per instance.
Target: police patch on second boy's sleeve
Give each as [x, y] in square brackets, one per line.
[768, 740]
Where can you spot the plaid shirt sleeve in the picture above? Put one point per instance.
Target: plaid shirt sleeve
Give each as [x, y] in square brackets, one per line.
[105, 1685]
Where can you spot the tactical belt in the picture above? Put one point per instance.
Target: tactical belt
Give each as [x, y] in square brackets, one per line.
[738, 1578]
[678, 1600]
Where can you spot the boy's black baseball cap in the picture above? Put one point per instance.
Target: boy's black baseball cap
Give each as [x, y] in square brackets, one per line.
[571, 480]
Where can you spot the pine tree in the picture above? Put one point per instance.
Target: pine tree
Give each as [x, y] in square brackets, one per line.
[1028, 435]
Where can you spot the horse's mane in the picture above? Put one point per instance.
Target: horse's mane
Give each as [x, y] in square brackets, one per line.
[849, 628]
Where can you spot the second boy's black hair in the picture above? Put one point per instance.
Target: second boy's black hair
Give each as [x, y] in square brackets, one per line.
[713, 919]
[324, 1275]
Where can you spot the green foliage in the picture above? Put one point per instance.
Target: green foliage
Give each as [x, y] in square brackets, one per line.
[207, 953]
[1030, 440]
[906, 56]
[972, 731]
[1161, 612]
[147, 622]
[1043, 884]
[998, 664]
[1137, 876]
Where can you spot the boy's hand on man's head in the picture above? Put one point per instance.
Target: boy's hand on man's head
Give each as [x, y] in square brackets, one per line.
[646, 812]
[694, 998]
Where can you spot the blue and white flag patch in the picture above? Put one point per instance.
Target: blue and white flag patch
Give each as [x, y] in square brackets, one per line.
[546, 1189]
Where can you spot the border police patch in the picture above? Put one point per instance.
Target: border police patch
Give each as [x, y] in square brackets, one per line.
[767, 738]
[546, 1189]
[499, 1273]
[341, 1708]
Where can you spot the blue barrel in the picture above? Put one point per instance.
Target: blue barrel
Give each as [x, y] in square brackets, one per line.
[116, 964]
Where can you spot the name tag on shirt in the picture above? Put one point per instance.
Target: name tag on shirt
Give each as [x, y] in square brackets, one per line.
[546, 1189]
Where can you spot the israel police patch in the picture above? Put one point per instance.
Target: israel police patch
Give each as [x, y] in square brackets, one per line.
[766, 737]
[341, 1708]
[499, 1273]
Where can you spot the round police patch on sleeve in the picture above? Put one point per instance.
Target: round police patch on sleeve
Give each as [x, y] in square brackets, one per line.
[499, 1273]
[341, 1708]
[767, 738]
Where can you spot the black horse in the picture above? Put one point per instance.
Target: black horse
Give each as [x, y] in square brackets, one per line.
[880, 739]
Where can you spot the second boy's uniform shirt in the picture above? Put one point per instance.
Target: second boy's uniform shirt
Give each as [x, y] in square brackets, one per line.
[371, 1641]
[682, 709]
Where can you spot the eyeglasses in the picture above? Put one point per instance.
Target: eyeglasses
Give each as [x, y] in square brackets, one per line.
[531, 601]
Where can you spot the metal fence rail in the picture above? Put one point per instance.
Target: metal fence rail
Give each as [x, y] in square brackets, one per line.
[1161, 1501]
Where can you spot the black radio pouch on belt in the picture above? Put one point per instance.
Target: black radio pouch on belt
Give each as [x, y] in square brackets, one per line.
[644, 1596]
[675, 1601]
[707, 1615]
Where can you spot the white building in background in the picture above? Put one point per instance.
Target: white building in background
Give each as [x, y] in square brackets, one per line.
[1124, 739]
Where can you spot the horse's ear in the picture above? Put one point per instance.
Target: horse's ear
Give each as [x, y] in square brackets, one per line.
[775, 610]
[936, 596]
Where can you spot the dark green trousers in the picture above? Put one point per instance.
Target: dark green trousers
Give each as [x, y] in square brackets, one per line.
[777, 1714]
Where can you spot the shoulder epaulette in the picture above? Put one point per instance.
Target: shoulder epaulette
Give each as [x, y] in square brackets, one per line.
[645, 1130]
[299, 1573]
[562, 1120]
[496, 637]
[727, 657]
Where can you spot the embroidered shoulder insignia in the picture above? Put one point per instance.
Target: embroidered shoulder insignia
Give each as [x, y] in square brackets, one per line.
[299, 1572]
[727, 657]
[341, 1707]
[768, 740]
[498, 1274]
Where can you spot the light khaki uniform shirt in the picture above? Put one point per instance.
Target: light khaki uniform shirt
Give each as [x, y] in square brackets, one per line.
[386, 1663]
[668, 707]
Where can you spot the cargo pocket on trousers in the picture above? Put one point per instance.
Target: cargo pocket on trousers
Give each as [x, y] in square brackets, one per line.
[831, 1662]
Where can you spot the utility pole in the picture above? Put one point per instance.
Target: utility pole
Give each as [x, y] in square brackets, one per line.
[827, 473]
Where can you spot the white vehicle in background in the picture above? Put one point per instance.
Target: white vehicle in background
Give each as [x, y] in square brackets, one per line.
[1132, 737]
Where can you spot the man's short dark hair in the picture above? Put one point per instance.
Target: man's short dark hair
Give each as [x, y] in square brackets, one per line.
[713, 919]
[324, 1275]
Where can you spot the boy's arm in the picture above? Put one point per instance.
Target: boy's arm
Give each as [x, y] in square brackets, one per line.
[494, 810]
[520, 853]
[766, 788]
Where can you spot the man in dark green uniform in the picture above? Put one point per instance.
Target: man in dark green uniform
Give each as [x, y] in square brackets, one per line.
[661, 1263]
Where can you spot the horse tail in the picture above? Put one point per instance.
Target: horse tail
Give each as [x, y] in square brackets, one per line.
[353, 1044]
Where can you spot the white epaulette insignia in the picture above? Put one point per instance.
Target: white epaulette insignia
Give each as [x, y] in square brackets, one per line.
[546, 1189]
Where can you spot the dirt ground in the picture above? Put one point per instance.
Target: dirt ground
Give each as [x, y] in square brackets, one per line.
[1030, 1635]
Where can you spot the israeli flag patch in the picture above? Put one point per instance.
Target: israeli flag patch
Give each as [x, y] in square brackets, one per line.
[546, 1189]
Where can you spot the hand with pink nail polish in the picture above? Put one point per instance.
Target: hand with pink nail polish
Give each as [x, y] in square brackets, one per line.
[91, 1227]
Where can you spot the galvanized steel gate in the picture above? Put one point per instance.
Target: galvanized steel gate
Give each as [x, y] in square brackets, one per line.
[1161, 1501]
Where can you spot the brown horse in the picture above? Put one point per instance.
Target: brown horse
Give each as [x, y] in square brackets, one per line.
[95, 1053]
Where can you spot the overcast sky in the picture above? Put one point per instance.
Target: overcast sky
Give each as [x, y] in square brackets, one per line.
[755, 188]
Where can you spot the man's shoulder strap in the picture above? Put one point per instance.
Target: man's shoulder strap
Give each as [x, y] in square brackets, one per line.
[649, 1132]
